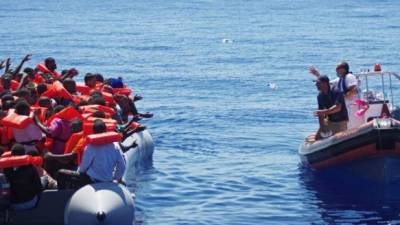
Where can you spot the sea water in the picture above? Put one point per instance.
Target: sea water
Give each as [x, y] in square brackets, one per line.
[232, 98]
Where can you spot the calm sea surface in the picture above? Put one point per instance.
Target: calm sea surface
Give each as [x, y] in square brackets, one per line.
[226, 142]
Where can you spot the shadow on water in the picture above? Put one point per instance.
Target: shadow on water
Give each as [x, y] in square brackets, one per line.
[347, 199]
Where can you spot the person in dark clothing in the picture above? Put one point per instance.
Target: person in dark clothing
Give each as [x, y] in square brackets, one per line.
[332, 112]
[24, 182]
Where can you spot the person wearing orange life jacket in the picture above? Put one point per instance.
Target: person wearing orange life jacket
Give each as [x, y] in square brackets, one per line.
[29, 135]
[24, 181]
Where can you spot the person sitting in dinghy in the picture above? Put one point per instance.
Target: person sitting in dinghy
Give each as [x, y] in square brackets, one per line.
[332, 112]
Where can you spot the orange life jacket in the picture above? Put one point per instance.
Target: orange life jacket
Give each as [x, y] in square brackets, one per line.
[42, 112]
[76, 143]
[82, 88]
[122, 91]
[88, 127]
[57, 90]
[14, 85]
[15, 161]
[103, 138]
[15, 120]
[94, 108]
[69, 113]
[42, 68]
[6, 135]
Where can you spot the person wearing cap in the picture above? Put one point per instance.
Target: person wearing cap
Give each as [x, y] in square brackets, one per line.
[331, 112]
[347, 84]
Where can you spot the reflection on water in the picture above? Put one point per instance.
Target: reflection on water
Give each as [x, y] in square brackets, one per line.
[350, 200]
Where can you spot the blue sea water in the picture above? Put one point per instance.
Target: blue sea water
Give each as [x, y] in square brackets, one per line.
[226, 143]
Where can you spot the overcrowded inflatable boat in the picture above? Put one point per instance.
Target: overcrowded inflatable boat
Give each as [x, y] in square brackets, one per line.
[370, 150]
[53, 119]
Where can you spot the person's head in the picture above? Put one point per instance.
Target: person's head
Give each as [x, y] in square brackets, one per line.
[22, 108]
[323, 84]
[70, 85]
[17, 150]
[7, 97]
[63, 72]
[90, 80]
[99, 126]
[99, 77]
[76, 126]
[6, 81]
[25, 94]
[99, 114]
[30, 72]
[41, 88]
[44, 102]
[6, 105]
[97, 101]
[342, 68]
[50, 63]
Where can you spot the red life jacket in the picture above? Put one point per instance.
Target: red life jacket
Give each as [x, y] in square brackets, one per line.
[57, 90]
[6, 154]
[14, 85]
[6, 135]
[88, 127]
[42, 68]
[76, 141]
[15, 120]
[103, 138]
[69, 113]
[42, 112]
[15, 161]
[94, 108]
[122, 91]
[82, 88]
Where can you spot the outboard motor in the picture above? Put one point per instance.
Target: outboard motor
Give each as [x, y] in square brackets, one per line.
[100, 203]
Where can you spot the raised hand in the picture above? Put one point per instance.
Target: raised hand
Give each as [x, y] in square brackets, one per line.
[314, 71]
[2, 64]
[27, 58]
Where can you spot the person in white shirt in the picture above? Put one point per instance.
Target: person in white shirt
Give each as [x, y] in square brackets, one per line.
[347, 84]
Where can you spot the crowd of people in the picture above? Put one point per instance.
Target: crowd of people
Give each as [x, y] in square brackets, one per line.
[75, 128]
[336, 111]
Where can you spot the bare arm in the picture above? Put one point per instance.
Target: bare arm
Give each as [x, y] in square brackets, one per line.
[25, 59]
[324, 112]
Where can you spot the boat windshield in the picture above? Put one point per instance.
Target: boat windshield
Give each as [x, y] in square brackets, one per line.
[379, 87]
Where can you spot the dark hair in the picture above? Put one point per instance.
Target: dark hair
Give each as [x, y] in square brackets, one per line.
[99, 114]
[7, 97]
[97, 101]
[99, 77]
[22, 108]
[88, 76]
[99, 126]
[44, 101]
[41, 88]
[29, 71]
[17, 149]
[76, 125]
[49, 60]
[23, 92]
[344, 65]
[8, 104]
[63, 72]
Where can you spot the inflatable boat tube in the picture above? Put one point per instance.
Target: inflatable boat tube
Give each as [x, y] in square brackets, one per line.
[100, 203]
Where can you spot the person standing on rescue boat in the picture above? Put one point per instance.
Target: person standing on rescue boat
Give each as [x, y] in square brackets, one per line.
[331, 112]
[347, 84]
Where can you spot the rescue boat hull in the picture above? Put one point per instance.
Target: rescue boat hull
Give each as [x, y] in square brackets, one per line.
[371, 152]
